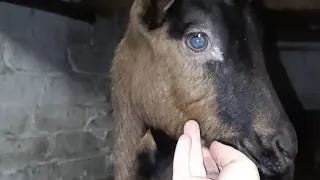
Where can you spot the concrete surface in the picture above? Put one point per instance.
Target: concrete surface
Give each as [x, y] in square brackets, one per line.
[55, 119]
[55, 110]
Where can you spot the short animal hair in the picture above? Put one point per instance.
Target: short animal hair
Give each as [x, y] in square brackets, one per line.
[200, 60]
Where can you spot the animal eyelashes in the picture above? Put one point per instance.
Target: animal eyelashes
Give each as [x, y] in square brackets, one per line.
[167, 70]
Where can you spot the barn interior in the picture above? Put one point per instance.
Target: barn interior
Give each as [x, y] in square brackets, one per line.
[55, 112]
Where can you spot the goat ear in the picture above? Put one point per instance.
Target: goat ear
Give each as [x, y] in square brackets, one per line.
[155, 12]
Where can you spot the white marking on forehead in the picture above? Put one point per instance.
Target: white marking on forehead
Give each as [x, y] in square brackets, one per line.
[216, 53]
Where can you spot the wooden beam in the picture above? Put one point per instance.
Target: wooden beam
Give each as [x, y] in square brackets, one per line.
[292, 4]
[299, 46]
[291, 25]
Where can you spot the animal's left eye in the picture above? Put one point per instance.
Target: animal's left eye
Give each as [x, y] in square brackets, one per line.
[197, 41]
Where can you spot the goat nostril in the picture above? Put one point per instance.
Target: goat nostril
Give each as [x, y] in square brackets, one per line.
[281, 148]
[285, 148]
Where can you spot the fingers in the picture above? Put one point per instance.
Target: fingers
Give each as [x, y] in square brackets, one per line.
[218, 152]
[232, 163]
[209, 163]
[210, 166]
[196, 159]
[191, 160]
[181, 168]
[198, 178]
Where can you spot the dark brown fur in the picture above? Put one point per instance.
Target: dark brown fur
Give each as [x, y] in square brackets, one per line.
[156, 84]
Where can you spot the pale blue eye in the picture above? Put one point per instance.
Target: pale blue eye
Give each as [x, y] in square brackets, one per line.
[197, 41]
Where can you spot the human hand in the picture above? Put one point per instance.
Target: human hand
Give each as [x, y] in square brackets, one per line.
[221, 162]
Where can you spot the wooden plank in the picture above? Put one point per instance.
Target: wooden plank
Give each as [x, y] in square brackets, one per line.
[293, 4]
[291, 25]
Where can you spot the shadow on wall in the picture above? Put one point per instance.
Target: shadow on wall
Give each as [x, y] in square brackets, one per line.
[55, 115]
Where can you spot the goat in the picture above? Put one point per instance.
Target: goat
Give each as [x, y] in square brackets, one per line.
[201, 60]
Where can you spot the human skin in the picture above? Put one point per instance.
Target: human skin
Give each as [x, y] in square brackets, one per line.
[219, 162]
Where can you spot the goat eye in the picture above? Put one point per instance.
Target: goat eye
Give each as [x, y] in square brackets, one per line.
[197, 41]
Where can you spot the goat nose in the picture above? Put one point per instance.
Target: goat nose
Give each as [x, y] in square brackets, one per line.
[287, 146]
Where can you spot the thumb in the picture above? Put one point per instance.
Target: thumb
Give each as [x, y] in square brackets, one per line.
[223, 154]
[232, 163]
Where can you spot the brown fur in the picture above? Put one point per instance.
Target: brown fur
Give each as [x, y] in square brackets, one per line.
[157, 83]
[155, 94]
